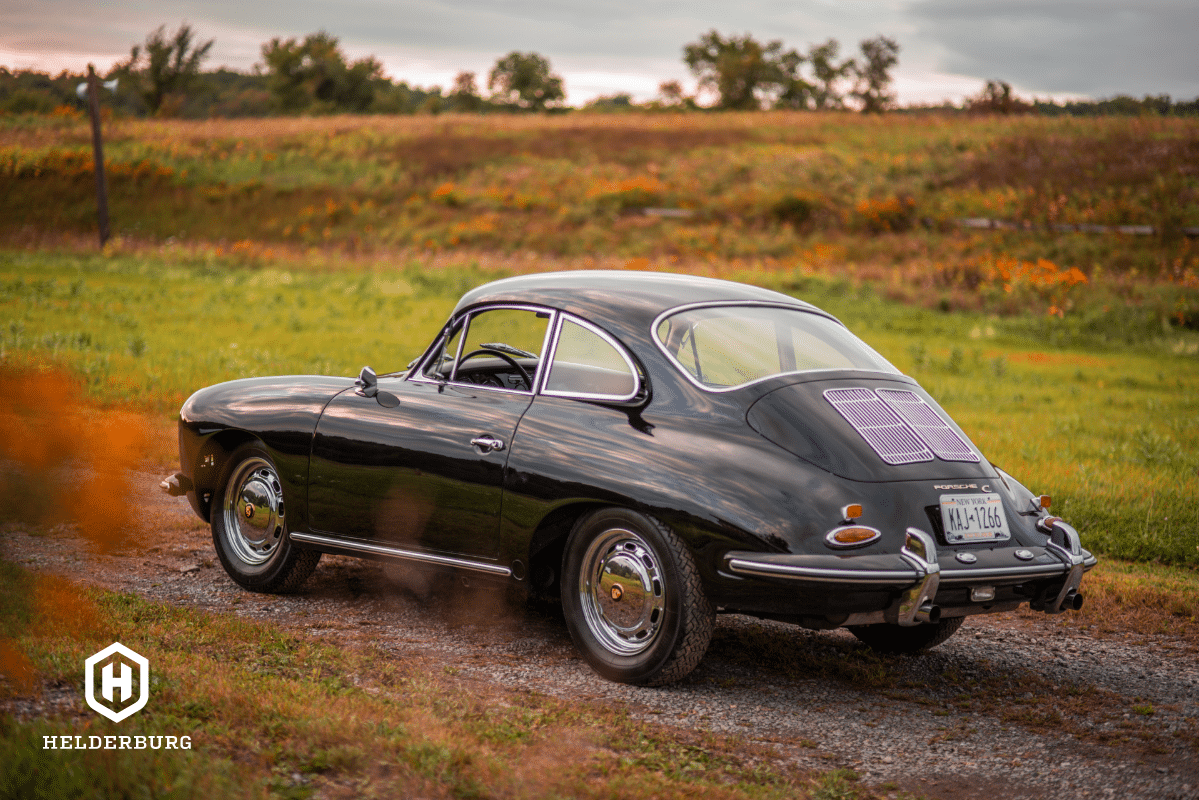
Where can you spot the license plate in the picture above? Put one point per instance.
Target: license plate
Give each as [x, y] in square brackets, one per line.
[973, 518]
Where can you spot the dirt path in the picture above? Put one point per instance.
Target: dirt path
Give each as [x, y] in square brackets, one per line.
[1011, 706]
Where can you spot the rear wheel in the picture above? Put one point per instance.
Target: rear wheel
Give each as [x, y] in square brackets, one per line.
[249, 526]
[888, 638]
[633, 599]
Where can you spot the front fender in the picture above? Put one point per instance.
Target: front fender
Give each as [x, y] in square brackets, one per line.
[280, 412]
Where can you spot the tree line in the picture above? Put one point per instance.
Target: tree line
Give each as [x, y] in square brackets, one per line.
[163, 76]
[312, 75]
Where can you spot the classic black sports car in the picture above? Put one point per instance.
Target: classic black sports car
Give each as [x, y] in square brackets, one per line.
[650, 448]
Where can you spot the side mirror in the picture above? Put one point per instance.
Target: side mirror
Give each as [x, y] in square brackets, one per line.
[368, 386]
[367, 383]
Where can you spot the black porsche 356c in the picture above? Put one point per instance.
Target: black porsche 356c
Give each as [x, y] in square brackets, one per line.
[650, 448]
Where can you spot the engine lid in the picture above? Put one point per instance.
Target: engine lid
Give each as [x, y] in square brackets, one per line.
[868, 429]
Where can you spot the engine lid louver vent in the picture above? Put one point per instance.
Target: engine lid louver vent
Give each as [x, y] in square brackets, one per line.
[928, 425]
[881, 427]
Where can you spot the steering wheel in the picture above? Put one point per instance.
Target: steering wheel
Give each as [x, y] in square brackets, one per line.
[487, 351]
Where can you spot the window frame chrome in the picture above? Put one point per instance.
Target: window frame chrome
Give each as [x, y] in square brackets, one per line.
[417, 375]
[552, 354]
[670, 312]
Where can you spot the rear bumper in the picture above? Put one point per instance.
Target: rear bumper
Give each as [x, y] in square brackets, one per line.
[916, 575]
[839, 571]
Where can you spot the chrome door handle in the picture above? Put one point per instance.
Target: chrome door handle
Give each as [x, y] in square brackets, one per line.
[487, 443]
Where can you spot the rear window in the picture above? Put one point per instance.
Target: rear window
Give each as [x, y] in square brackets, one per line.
[723, 347]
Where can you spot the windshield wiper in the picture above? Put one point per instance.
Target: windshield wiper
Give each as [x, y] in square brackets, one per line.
[509, 349]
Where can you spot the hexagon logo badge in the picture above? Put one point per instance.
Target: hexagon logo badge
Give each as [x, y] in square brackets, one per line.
[116, 682]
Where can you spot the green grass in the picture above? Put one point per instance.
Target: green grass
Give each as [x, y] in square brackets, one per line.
[38, 774]
[149, 331]
[1109, 428]
[1148, 599]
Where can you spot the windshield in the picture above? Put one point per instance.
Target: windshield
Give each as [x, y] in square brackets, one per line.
[723, 347]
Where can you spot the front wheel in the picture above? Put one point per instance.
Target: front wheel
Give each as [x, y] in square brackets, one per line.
[249, 526]
[887, 638]
[633, 599]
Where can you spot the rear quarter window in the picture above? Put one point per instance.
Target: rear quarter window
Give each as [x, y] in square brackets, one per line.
[587, 363]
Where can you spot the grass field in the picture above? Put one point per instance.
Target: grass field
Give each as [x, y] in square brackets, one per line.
[873, 196]
[837, 195]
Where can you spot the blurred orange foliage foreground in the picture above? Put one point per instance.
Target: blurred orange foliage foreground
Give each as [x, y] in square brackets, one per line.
[62, 461]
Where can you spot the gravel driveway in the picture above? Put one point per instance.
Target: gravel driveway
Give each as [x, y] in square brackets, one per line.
[1014, 706]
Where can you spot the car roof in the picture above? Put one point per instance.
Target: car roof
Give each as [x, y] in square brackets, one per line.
[603, 295]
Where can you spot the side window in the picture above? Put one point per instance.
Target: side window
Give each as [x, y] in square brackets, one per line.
[502, 348]
[511, 330]
[586, 364]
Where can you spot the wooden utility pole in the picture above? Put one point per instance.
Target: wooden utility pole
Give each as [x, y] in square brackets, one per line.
[93, 107]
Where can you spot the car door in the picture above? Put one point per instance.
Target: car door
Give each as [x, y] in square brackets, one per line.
[427, 474]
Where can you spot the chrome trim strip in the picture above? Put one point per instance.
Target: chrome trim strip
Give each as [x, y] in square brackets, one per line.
[810, 309]
[552, 353]
[396, 552]
[1001, 573]
[549, 341]
[464, 331]
[764, 569]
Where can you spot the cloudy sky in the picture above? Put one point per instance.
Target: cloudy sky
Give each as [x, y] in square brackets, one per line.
[1047, 48]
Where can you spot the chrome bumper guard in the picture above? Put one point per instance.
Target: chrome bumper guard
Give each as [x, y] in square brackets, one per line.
[176, 485]
[916, 604]
[1064, 543]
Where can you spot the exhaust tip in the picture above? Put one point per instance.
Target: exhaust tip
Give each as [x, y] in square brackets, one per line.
[1074, 601]
[929, 613]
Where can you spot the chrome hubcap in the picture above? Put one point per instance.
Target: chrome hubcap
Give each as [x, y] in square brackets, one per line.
[622, 592]
[254, 511]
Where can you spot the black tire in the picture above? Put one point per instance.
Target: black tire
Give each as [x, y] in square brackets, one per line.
[887, 638]
[633, 599]
[249, 525]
